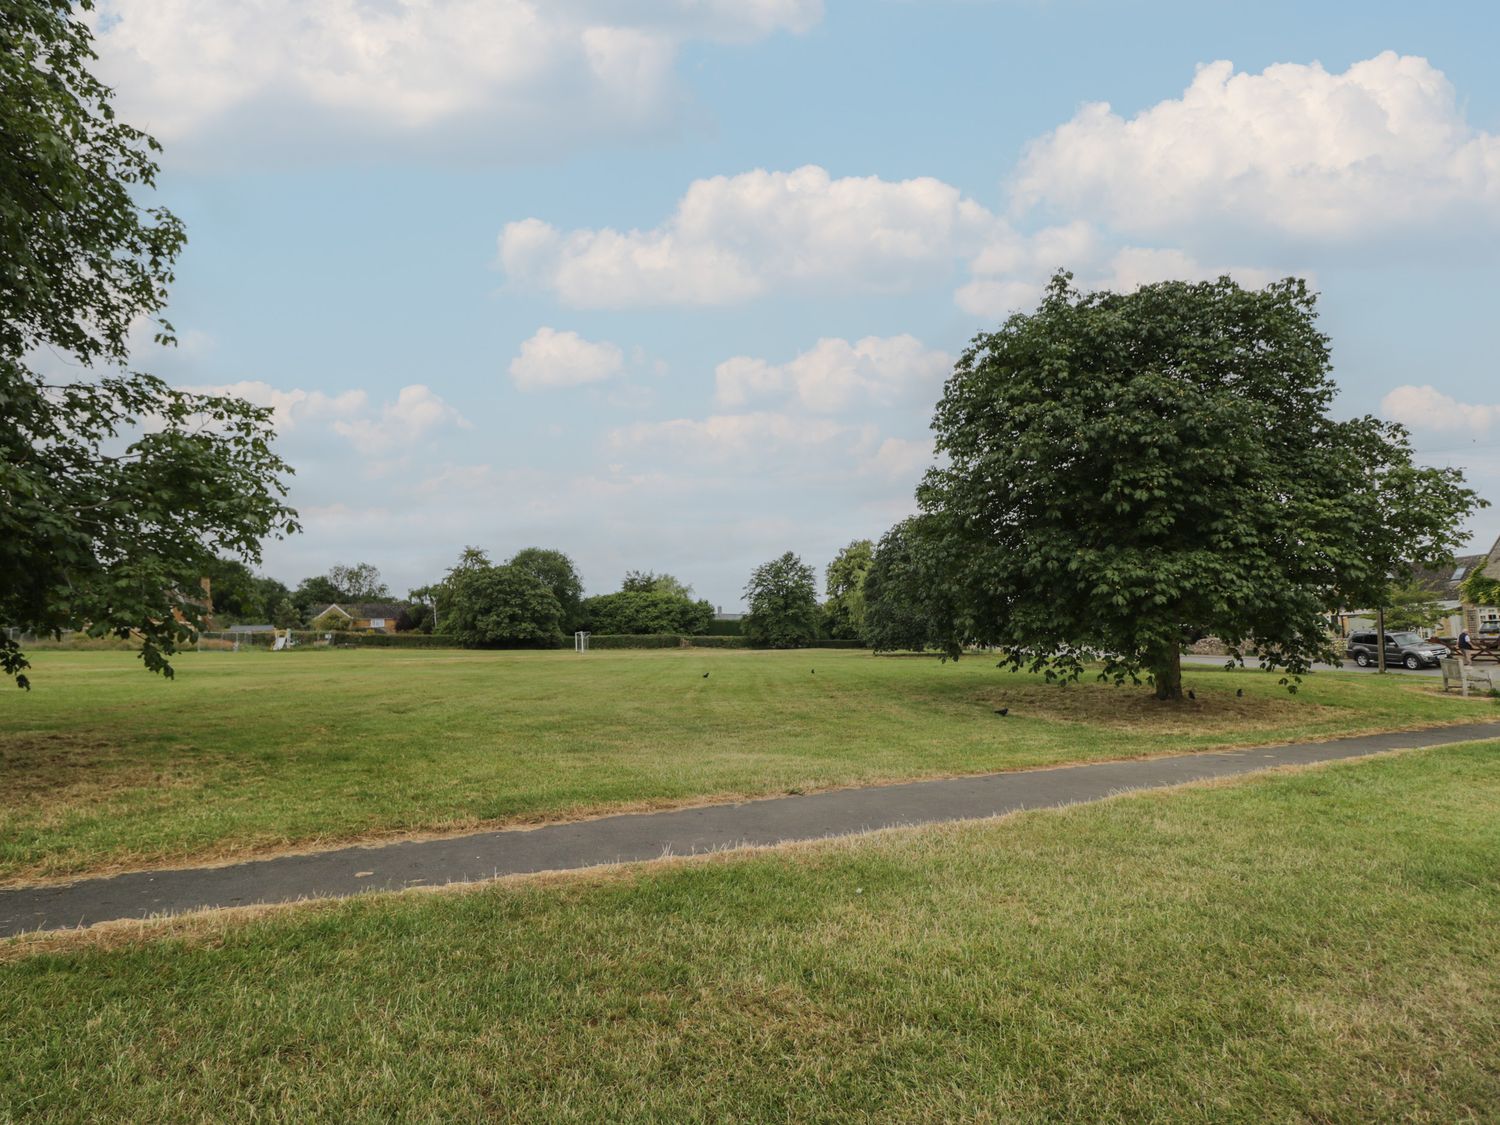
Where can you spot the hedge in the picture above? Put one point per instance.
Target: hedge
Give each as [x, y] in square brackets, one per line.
[636, 640]
[397, 640]
[725, 629]
[662, 640]
[439, 640]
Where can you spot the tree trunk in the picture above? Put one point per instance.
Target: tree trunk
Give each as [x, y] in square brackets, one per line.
[1166, 669]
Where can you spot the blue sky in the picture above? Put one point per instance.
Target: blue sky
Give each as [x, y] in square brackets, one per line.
[673, 284]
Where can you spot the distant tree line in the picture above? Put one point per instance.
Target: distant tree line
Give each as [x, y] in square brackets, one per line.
[535, 599]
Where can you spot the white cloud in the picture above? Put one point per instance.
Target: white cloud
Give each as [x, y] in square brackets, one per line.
[735, 238]
[563, 359]
[729, 438]
[1294, 150]
[291, 408]
[732, 238]
[416, 413]
[835, 374]
[478, 77]
[899, 459]
[1427, 408]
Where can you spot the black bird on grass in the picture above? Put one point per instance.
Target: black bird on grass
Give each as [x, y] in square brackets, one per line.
[814, 672]
[705, 675]
[1003, 711]
[1239, 693]
[1192, 694]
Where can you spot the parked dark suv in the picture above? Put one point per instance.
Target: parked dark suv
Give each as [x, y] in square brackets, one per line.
[1400, 648]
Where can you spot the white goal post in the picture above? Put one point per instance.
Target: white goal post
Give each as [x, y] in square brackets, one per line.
[581, 641]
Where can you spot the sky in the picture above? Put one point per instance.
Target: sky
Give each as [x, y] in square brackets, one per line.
[674, 284]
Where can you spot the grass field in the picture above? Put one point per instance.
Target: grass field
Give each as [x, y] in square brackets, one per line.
[104, 767]
[1314, 946]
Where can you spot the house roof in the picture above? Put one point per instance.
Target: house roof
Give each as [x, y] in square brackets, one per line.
[1492, 562]
[360, 611]
[1443, 582]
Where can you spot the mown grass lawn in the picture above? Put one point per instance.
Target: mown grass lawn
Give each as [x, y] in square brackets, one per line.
[105, 767]
[1320, 946]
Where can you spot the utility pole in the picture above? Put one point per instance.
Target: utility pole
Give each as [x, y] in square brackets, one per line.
[1380, 638]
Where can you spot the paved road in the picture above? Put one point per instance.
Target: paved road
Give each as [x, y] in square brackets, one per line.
[1348, 666]
[644, 836]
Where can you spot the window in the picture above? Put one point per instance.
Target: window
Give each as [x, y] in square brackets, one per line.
[377, 623]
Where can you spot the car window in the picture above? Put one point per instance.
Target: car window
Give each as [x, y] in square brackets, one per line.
[1404, 639]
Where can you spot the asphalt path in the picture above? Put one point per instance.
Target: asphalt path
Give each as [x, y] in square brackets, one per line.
[645, 836]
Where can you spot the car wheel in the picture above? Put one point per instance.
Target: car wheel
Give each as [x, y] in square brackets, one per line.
[1362, 660]
[1412, 662]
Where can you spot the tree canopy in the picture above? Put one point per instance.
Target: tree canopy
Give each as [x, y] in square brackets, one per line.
[1125, 471]
[237, 594]
[502, 606]
[1409, 605]
[557, 572]
[647, 581]
[783, 599]
[116, 491]
[844, 580]
[358, 582]
[905, 603]
[647, 611]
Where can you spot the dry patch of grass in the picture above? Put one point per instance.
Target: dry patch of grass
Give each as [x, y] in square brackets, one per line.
[68, 768]
[1215, 710]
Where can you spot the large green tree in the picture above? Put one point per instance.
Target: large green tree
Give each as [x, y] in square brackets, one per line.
[783, 599]
[557, 572]
[1125, 471]
[844, 581]
[358, 582]
[116, 491]
[501, 607]
[906, 603]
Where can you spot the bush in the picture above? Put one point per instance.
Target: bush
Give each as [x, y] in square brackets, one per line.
[719, 642]
[725, 629]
